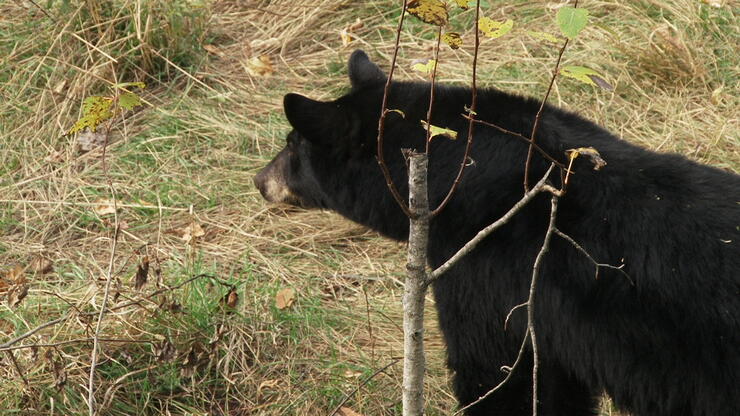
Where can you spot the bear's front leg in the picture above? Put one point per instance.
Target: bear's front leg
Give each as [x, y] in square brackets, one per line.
[558, 394]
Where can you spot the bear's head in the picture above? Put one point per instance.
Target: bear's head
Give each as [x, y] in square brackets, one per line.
[330, 157]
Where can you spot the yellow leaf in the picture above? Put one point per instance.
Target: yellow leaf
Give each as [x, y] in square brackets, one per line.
[586, 75]
[429, 11]
[284, 298]
[494, 29]
[453, 39]
[543, 36]
[438, 131]
[465, 4]
[95, 110]
[426, 67]
[260, 66]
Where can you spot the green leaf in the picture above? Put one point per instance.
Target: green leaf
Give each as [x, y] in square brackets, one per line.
[95, 110]
[123, 85]
[453, 39]
[494, 29]
[572, 20]
[429, 11]
[438, 131]
[129, 100]
[586, 76]
[543, 36]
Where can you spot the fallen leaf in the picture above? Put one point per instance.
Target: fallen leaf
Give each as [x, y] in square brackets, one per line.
[346, 411]
[192, 231]
[284, 298]
[230, 299]
[142, 273]
[59, 87]
[41, 265]
[89, 140]
[267, 384]
[215, 50]
[260, 66]
[164, 350]
[104, 206]
[346, 33]
[713, 3]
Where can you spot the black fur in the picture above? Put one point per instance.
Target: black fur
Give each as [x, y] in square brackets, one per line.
[665, 344]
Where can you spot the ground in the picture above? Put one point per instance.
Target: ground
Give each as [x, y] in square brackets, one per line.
[181, 170]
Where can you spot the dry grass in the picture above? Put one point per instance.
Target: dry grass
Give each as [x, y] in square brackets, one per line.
[189, 159]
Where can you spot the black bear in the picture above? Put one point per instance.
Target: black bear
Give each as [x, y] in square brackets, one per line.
[664, 341]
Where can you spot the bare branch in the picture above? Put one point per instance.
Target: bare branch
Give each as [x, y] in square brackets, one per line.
[381, 121]
[470, 245]
[529, 334]
[525, 139]
[508, 315]
[431, 91]
[471, 118]
[19, 338]
[532, 291]
[511, 369]
[598, 265]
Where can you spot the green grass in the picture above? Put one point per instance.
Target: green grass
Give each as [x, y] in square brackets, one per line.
[189, 158]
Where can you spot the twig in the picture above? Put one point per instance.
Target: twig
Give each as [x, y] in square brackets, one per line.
[381, 122]
[74, 341]
[511, 369]
[43, 11]
[511, 311]
[431, 91]
[598, 265]
[470, 245]
[529, 334]
[525, 139]
[109, 276]
[471, 118]
[33, 331]
[532, 291]
[18, 369]
[542, 107]
[359, 386]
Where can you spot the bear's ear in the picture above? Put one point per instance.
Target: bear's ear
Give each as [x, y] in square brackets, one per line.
[362, 72]
[319, 122]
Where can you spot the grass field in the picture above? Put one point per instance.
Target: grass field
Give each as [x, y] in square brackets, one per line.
[209, 332]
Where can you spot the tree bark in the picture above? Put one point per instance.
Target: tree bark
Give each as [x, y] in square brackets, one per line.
[415, 288]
